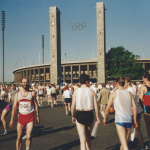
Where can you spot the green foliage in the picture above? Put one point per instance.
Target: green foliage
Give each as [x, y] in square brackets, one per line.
[121, 62]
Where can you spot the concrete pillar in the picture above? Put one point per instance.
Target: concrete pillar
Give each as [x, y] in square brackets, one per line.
[100, 11]
[88, 70]
[39, 74]
[144, 65]
[79, 70]
[71, 75]
[44, 74]
[55, 45]
[34, 75]
[64, 74]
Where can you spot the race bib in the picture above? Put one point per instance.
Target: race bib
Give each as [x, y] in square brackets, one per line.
[25, 107]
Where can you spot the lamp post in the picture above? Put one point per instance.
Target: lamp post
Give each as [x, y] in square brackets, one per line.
[3, 28]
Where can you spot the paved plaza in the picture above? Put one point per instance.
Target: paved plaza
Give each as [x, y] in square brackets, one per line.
[57, 132]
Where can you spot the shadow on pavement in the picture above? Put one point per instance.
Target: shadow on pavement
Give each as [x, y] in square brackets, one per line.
[69, 145]
[40, 132]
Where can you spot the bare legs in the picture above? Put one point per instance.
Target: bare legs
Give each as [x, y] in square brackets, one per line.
[29, 133]
[84, 135]
[20, 129]
[123, 134]
[4, 113]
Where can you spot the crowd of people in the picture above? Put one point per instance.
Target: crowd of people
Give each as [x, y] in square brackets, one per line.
[80, 100]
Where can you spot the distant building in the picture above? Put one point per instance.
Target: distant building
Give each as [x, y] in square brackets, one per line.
[70, 71]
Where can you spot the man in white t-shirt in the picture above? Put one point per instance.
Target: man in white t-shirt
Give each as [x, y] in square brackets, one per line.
[129, 87]
[2, 94]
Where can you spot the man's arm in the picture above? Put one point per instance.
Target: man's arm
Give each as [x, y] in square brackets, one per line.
[99, 96]
[134, 109]
[110, 102]
[96, 108]
[142, 92]
[73, 107]
[36, 108]
[13, 111]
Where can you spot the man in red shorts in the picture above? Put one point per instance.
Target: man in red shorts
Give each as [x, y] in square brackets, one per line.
[27, 103]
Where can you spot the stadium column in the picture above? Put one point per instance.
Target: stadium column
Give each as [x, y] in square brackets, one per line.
[79, 70]
[44, 74]
[30, 76]
[55, 45]
[39, 73]
[71, 75]
[88, 69]
[144, 65]
[64, 74]
[101, 41]
[34, 75]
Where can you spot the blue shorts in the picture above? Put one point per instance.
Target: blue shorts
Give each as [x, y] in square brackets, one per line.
[123, 124]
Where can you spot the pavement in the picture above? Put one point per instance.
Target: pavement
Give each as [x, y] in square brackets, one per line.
[57, 132]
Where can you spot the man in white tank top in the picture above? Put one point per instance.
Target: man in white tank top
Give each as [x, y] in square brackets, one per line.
[27, 104]
[124, 103]
[84, 101]
[129, 87]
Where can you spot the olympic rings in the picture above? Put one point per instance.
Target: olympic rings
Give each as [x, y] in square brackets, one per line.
[77, 25]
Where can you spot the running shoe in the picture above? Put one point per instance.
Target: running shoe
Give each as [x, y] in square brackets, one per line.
[67, 113]
[4, 133]
[24, 137]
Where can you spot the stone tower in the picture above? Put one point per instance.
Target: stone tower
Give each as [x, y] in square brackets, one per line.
[100, 11]
[55, 45]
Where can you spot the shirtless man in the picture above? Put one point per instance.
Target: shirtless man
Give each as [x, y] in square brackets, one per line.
[124, 103]
[27, 102]
[145, 103]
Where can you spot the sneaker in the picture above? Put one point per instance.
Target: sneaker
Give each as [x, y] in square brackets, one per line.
[52, 106]
[67, 113]
[24, 137]
[4, 133]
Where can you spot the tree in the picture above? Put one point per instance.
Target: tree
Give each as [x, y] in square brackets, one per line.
[121, 62]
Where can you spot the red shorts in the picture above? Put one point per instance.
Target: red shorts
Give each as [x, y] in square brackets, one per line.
[25, 119]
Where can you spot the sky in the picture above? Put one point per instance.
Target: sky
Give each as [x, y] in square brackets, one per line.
[127, 25]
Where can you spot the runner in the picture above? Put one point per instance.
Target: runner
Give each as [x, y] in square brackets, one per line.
[124, 103]
[5, 107]
[27, 102]
[40, 94]
[145, 103]
[129, 87]
[3, 93]
[67, 97]
[102, 99]
[13, 92]
[84, 101]
[49, 96]
[53, 94]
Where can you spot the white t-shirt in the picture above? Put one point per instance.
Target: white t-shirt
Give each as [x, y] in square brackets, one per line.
[2, 93]
[67, 94]
[99, 86]
[48, 91]
[131, 89]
